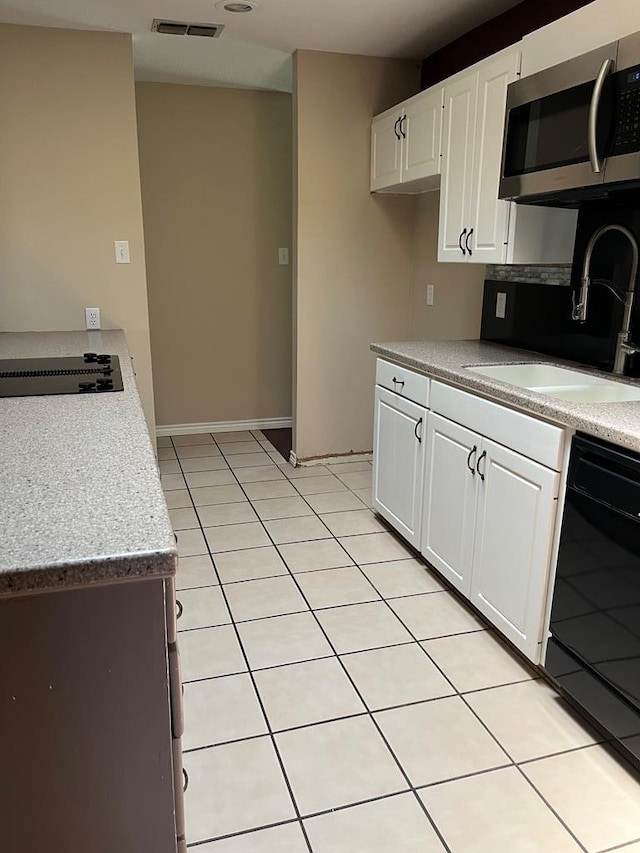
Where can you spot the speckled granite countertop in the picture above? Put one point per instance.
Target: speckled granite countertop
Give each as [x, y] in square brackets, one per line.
[446, 360]
[80, 496]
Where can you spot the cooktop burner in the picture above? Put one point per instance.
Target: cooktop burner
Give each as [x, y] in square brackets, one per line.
[91, 373]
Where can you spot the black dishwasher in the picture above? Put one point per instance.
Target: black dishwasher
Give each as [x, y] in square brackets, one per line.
[594, 651]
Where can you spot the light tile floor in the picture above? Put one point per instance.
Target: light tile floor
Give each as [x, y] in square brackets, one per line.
[340, 699]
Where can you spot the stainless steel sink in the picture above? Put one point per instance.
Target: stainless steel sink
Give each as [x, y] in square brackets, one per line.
[560, 382]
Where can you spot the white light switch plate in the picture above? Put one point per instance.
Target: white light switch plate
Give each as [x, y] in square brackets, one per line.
[122, 251]
[430, 289]
[283, 257]
[501, 305]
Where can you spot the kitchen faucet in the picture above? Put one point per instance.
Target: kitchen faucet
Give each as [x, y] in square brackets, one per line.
[624, 346]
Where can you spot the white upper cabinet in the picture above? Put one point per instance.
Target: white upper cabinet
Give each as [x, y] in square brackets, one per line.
[489, 215]
[405, 145]
[596, 24]
[457, 163]
[474, 223]
[476, 226]
[386, 150]
[451, 136]
[421, 131]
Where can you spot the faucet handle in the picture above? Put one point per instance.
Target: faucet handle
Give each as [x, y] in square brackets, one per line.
[626, 345]
[576, 307]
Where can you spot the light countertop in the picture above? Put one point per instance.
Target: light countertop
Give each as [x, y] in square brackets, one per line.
[446, 360]
[80, 495]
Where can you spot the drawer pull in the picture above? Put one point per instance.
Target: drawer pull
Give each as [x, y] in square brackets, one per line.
[415, 431]
[483, 455]
[471, 455]
[398, 381]
[185, 783]
[179, 608]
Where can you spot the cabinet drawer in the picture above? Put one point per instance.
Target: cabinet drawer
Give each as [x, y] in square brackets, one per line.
[535, 439]
[406, 383]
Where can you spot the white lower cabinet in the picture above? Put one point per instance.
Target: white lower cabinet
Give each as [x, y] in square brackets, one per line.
[450, 500]
[515, 516]
[488, 522]
[398, 466]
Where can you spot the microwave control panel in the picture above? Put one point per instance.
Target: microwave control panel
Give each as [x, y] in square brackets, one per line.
[627, 133]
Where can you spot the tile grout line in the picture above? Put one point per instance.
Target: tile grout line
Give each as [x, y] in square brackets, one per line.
[620, 847]
[369, 714]
[259, 699]
[383, 710]
[493, 737]
[303, 610]
[415, 640]
[193, 845]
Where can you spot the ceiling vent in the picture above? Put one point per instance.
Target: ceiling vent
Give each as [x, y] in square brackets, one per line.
[185, 28]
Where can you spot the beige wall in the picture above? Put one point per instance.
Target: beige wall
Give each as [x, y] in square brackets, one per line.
[354, 250]
[216, 188]
[70, 186]
[458, 288]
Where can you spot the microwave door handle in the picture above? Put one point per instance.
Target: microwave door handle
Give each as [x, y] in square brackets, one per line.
[605, 70]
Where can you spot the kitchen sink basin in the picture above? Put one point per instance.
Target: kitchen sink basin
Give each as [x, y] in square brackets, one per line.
[560, 382]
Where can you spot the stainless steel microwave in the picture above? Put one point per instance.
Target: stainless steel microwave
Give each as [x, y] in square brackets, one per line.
[574, 129]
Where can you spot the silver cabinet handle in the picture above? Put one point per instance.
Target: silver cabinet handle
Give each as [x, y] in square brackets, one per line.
[415, 431]
[596, 163]
[472, 454]
[483, 455]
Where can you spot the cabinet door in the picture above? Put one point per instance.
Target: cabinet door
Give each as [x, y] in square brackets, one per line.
[517, 502]
[398, 462]
[450, 500]
[457, 162]
[489, 214]
[386, 150]
[422, 129]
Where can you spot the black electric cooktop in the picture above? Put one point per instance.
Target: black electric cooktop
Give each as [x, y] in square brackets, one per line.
[91, 373]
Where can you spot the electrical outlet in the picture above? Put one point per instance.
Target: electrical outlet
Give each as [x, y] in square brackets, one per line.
[430, 290]
[122, 251]
[283, 257]
[92, 318]
[501, 306]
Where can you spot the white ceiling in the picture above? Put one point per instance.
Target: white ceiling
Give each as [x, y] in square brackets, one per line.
[253, 49]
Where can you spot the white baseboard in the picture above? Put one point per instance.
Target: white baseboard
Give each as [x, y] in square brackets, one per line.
[224, 426]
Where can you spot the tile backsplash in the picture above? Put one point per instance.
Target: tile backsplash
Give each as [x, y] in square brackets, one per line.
[558, 275]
